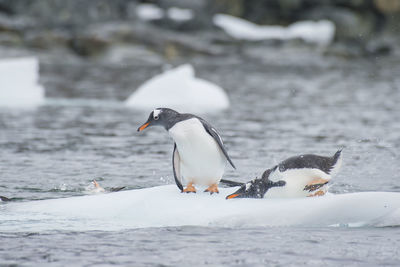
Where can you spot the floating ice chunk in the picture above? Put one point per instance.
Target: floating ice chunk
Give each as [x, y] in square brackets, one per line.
[178, 88]
[19, 85]
[320, 32]
[180, 14]
[149, 12]
[165, 206]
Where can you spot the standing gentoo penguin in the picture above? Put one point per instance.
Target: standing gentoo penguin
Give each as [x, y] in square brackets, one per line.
[299, 176]
[199, 154]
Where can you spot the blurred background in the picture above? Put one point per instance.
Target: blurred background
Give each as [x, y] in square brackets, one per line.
[114, 34]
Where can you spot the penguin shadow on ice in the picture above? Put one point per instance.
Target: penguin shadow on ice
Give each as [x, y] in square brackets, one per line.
[199, 155]
[298, 176]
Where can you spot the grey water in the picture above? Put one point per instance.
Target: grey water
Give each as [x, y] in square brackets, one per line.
[281, 105]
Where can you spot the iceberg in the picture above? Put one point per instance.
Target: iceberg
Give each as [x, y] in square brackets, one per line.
[19, 85]
[320, 32]
[165, 206]
[179, 89]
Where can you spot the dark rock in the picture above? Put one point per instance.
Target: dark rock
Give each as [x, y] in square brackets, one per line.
[15, 24]
[349, 24]
[387, 6]
[234, 8]
[354, 48]
[10, 39]
[47, 39]
[88, 46]
[194, 4]
[378, 48]
[51, 13]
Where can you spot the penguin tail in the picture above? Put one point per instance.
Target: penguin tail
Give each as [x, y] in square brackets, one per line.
[336, 162]
[337, 154]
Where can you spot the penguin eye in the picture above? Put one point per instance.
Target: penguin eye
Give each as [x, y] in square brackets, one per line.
[156, 117]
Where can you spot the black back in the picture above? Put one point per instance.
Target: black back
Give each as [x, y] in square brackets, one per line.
[325, 164]
[170, 117]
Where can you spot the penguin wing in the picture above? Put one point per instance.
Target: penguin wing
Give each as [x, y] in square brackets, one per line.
[176, 166]
[211, 131]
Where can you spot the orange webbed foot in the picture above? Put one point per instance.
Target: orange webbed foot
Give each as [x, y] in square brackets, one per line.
[189, 189]
[212, 189]
[317, 194]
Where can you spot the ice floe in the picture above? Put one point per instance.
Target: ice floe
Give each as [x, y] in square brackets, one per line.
[165, 206]
[19, 83]
[320, 32]
[178, 88]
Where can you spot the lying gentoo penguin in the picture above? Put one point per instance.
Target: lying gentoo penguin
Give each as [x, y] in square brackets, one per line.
[299, 176]
[199, 154]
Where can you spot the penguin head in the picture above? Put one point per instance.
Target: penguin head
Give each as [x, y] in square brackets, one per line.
[256, 188]
[164, 117]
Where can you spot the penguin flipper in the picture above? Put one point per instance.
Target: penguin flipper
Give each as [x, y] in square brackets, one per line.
[230, 183]
[211, 131]
[314, 187]
[116, 189]
[176, 161]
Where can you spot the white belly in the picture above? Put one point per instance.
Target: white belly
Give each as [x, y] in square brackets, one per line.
[202, 161]
[296, 180]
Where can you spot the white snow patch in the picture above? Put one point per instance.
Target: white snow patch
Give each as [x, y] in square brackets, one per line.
[153, 12]
[180, 14]
[19, 85]
[165, 206]
[320, 32]
[149, 12]
[178, 88]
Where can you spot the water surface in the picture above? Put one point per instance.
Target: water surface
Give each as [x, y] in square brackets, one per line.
[281, 105]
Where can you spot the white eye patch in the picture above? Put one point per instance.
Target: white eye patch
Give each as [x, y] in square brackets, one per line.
[156, 113]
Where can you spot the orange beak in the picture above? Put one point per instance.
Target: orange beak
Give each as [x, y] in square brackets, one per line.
[232, 196]
[141, 128]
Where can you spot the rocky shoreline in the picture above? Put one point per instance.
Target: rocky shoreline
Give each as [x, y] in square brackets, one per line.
[94, 29]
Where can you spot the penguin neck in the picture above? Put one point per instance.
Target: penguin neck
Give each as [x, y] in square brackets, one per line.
[174, 118]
